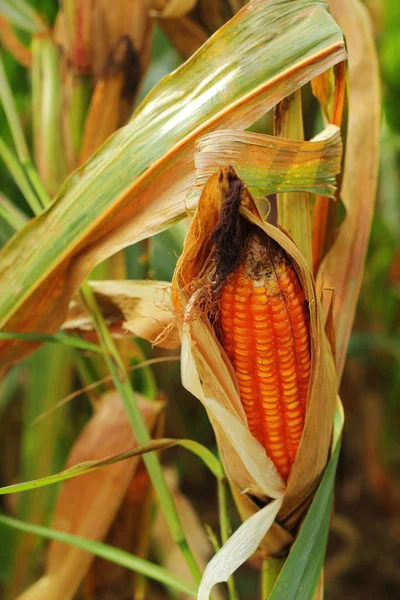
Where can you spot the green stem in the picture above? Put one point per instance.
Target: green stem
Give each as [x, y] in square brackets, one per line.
[20, 177]
[226, 530]
[17, 133]
[13, 215]
[225, 525]
[153, 465]
[85, 373]
[270, 570]
[47, 102]
[10, 109]
[294, 207]
[36, 182]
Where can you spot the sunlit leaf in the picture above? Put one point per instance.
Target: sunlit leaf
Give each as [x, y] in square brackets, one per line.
[22, 15]
[270, 164]
[136, 184]
[89, 466]
[140, 307]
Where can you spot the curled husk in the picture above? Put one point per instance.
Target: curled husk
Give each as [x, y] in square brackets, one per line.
[142, 308]
[208, 373]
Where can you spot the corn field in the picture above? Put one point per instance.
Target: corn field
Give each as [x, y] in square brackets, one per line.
[199, 299]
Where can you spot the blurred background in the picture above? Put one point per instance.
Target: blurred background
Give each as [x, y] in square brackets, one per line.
[36, 438]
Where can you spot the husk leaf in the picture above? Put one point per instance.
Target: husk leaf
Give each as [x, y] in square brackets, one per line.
[271, 164]
[142, 308]
[242, 544]
[208, 374]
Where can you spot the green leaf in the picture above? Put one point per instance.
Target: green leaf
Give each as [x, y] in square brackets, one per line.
[42, 450]
[22, 15]
[271, 164]
[114, 555]
[135, 185]
[58, 338]
[87, 467]
[299, 577]
[20, 177]
[15, 217]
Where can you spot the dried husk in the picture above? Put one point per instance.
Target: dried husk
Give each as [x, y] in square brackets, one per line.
[142, 308]
[87, 505]
[208, 374]
[171, 8]
[202, 353]
[343, 266]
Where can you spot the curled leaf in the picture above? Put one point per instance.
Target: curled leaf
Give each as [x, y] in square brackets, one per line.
[140, 307]
[208, 373]
[242, 544]
[271, 164]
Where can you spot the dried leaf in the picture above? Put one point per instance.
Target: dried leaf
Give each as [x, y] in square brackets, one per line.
[87, 505]
[333, 100]
[130, 531]
[140, 307]
[172, 8]
[89, 31]
[270, 164]
[242, 544]
[167, 551]
[13, 44]
[186, 35]
[208, 373]
[343, 267]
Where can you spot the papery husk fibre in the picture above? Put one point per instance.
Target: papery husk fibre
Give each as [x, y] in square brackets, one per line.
[208, 373]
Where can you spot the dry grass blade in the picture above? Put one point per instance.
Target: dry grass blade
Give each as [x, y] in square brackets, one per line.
[142, 308]
[95, 384]
[343, 267]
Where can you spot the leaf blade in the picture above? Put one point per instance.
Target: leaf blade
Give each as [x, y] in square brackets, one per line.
[112, 554]
[89, 466]
[131, 189]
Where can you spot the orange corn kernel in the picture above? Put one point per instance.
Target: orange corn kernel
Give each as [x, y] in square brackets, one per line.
[264, 329]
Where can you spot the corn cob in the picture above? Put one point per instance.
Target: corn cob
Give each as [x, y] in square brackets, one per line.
[264, 328]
